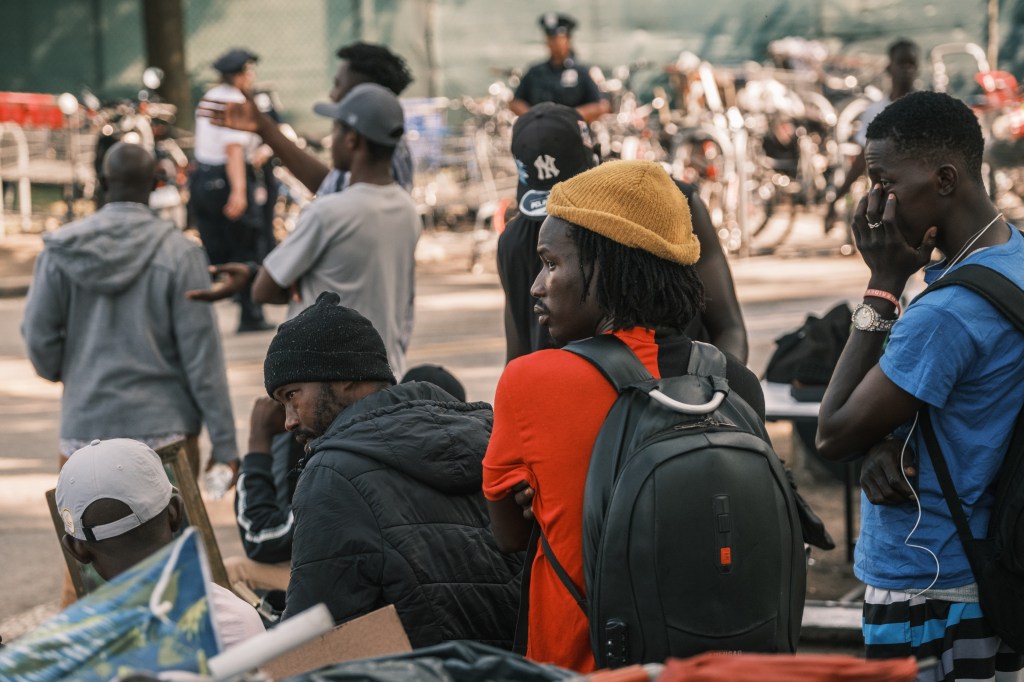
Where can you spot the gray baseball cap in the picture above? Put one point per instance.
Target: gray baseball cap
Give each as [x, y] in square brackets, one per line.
[119, 469]
[372, 110]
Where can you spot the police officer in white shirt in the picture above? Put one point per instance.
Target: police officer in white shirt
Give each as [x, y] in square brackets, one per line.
[224, 187]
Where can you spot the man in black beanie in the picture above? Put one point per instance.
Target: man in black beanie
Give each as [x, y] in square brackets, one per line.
[388, 508]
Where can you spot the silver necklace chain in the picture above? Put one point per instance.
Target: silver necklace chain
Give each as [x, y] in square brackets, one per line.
[962, 253]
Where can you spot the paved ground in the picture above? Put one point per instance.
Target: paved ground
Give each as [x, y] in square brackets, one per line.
[458, 324]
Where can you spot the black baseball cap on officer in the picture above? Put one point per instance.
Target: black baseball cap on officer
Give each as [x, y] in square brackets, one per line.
[555, 24]
[325, 342]
[234, 61]
[550, 143]
[372, 110]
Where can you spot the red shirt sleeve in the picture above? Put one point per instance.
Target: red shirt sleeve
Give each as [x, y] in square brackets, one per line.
[505, 461]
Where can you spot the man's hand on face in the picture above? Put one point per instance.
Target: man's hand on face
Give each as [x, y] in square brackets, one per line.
[891, 259]
[238, 115]
[230, 278]
[880, 475]
[266, 421]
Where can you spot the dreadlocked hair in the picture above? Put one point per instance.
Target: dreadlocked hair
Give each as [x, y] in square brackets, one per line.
[378, 64]
[636, 288]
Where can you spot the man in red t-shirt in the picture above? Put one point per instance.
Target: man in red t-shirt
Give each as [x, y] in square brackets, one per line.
[618, 251]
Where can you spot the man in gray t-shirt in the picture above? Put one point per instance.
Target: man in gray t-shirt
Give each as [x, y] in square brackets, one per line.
[359, 243]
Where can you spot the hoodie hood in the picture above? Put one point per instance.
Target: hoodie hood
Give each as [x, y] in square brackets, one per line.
[107, 251]
[418, 429]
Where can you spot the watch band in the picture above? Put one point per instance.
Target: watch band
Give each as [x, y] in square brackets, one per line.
[879, 293]
[874, 323]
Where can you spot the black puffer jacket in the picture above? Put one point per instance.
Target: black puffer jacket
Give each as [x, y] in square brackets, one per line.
[388, 510]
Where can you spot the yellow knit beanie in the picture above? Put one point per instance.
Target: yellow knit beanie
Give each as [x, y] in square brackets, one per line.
[634, 203]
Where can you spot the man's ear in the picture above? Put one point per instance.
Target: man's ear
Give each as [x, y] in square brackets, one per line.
[357, 141]
[175, 513]
[77, 549]
[348, 392]
[947, 177]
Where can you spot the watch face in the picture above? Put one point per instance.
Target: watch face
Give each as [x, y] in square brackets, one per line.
[863, 317]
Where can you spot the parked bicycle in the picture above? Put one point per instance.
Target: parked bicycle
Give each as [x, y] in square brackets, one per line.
[756, 139]
[633, 129]
[1000, 110]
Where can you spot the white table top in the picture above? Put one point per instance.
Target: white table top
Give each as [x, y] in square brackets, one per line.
[780, 404]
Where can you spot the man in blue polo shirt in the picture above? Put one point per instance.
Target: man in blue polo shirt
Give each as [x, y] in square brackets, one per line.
[952, 354]
[560, 79]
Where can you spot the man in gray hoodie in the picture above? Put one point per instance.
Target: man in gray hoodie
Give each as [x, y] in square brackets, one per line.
[107, 316]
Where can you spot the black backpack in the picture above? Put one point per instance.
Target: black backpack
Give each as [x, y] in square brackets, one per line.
[808, 355]
[691, 539]
[997, 559]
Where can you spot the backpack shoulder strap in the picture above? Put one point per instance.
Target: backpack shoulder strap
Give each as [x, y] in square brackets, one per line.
[613, 358]
[538, 539]
[956, 510]
[994, 287]
[563, 575]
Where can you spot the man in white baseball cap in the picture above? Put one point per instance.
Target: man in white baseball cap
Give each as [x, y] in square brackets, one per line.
[118, 508]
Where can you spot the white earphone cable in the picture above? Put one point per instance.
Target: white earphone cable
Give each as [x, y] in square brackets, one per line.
[963, 251]
[920, 512]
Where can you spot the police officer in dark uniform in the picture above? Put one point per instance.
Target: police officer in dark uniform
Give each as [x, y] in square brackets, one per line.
[225, 197]
[560, 79]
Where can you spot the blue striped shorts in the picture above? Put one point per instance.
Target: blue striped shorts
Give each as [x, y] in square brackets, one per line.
[944, 625]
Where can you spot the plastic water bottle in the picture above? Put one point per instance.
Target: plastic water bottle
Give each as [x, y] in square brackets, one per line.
[218, 480]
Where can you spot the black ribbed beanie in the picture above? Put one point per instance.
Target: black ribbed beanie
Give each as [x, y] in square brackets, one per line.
[326, 342]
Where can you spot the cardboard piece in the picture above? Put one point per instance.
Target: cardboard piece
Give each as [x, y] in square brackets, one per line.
[378, 633]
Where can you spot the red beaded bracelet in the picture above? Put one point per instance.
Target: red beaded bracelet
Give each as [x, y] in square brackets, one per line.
[878, 293]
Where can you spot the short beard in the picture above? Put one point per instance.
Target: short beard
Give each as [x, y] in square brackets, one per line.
[328, 407]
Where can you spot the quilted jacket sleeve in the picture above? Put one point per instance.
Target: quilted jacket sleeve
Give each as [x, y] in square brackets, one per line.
[337, 552]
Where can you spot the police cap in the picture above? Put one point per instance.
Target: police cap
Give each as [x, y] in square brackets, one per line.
[234, 61]
[555, 24]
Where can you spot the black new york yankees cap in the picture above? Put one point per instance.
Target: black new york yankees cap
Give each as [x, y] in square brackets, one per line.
[550, 143]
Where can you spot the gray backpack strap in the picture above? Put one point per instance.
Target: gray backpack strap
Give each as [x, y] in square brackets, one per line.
[708, 361]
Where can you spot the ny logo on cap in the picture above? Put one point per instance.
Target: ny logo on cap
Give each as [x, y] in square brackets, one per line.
[546, 168]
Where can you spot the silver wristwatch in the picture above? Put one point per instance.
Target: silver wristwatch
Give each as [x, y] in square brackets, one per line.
[867, 319]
